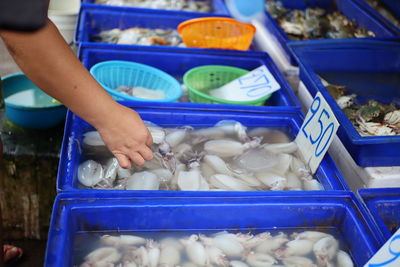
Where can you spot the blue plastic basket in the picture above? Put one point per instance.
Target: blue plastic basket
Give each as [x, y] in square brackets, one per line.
[115, 73]
[392, 5]
[340, 213]
[218, 8]
[349, 8]
[327, 174]
[384, 206]
[350, 59]
[176, 62]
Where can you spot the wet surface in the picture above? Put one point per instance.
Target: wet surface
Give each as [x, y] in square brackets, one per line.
[34, 250]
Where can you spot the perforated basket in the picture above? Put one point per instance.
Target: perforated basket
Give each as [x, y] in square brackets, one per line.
[217, 32]
[115, 73]
[202, 79]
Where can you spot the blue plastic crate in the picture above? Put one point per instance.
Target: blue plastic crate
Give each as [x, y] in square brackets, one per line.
[384, 206]
[338, 212]
[391, 5]
[378, 62]
[327, 174]
[218, 8]
[176, 62]
[92, 21]
[349, 8]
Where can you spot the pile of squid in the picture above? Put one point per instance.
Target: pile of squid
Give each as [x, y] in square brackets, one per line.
[140, 36]
[299, 249]
[370, 119]
[185, 5]
[314, 23]
[141, 92]
[225, 157]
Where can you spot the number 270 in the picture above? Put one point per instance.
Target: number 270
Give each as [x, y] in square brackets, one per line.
[315, 106]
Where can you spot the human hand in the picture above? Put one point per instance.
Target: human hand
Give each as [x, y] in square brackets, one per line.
[126, 136]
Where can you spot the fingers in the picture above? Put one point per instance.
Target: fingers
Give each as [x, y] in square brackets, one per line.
[149, 140]
[146, 153]
[137, 158]
[123, 161]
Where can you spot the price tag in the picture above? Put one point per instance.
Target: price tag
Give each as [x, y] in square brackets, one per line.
[388, 255]
[254, 85]
[317, 132]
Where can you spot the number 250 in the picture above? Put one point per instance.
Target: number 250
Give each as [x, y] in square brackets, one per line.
[316, 104]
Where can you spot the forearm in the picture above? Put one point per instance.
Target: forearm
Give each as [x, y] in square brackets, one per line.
[61, 74]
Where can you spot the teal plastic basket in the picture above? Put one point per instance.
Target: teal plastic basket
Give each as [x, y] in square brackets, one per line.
[115, 73]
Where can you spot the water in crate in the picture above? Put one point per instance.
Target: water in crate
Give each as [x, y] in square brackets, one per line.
[225, 157]
[288, 248]
[140, 36]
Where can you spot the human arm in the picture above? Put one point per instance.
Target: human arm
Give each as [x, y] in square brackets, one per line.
[47, 60]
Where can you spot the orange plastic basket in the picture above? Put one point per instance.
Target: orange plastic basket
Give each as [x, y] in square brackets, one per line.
[217, 32]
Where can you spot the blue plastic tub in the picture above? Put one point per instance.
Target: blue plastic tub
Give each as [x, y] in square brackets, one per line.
[384, 206]
[372, 71]
[92, 21]
[34, 108]
[340, 213]
[393, 6]
[349, 8]
[218, 8]
[176, 62]
[327, 174]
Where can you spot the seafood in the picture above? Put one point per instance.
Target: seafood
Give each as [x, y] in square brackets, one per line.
[370, 119]
[140, 36]
[272, 244]
[295, 248]
[90, 173]
[264, 249]
[141, 92]
[325, 250]
[379, 5]
[104, 256]
[122, 240]
[195, 250]
[228, 244]
[170, 255]
[143, 181]
[238, 264]
[314, 23]
[297, 261]
[219, 158]
[343, 259]
[346, 101]
[185, 5]
[260, 260]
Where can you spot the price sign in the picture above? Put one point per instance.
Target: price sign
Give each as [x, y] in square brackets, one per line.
[317, 132]
[254, 85]
[388, 255]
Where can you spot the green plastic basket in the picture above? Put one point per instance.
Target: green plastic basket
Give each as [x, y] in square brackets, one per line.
[202, 79]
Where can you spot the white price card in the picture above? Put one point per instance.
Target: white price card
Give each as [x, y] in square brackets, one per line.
[317, 132]
[388, 255]
[254, 85]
